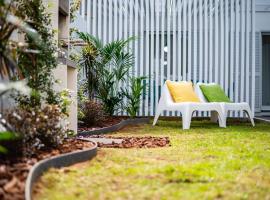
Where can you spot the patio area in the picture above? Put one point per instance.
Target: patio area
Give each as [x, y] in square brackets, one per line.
[205, 162]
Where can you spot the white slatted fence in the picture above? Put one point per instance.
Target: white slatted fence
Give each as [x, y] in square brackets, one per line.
[197, 40]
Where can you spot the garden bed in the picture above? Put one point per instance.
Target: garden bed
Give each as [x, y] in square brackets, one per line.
[119, 122]
[13, 173]
[107, 122]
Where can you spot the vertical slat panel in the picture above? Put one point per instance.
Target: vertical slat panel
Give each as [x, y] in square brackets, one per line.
[147, 54]
[162, 43]
[110, 34]
[237, 51]
[99, 19]
[168, 41]
[157, 64]
[211, 52]
[120, 27]
[130, 34]
[189, 40]
[253, 57]
[141, 38]
[115, 19]
[126, 19]
[120, 37]
[205, 66]
[232, 43]
[125, 22]
[94, 31]
[222, 43]
[200, 41]
[226, 61]
[105, 20]
[174, 39]
[83, 8]
[136, 34]
[195, 67]
[179, 44]
[152, 63]
[247, 49]
[216, 43]
[88, 17]
[242, 65]
[184, 40]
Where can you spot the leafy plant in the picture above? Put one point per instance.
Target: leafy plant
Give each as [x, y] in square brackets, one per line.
[9, 23]
[37, 65]
[105, 66]
[90, 61]
[39, 128]
[93, 113]
[133, 97]
[7, 137]
[74, 6]
[108, 92]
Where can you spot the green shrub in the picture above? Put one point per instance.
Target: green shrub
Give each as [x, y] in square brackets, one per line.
[133, 95]
[37, 67]
[105, 66]
[93, 113]
[39, 128]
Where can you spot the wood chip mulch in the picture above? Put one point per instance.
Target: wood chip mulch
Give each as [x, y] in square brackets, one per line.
[135, 142]
[13, 173]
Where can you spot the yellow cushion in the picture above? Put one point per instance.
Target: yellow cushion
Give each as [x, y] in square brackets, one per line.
[182, 92]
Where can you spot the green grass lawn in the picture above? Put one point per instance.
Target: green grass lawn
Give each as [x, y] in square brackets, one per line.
[205, 162]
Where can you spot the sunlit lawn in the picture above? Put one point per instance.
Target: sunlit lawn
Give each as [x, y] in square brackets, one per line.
[205, 162]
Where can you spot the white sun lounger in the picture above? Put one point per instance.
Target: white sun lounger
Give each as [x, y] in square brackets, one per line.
[226, 107]
[186, 108]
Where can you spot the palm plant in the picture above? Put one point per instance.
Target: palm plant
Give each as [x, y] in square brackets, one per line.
[105, 66]
[133, 95]
[90, 61]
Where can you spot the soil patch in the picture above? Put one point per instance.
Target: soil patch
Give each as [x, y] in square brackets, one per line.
[13, 173]
[109, 121]
[135, 142]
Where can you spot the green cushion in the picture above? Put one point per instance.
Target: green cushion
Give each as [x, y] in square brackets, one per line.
[214, 93]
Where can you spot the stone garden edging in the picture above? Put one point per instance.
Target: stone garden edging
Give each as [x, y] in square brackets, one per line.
[115, 127]
[62, 160]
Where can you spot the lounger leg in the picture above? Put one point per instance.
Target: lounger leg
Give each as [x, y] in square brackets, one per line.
[222, 119]
[186, 118]
[158, 112]
[248, 112]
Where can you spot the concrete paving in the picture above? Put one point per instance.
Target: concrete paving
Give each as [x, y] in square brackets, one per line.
[106, 140]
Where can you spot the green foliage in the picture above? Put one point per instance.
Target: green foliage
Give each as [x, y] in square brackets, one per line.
[39, 127]
[74, 7]
[9, 23]
[4, 137]
[105, 66]
[36, 66]
[108, 92]
[90, 62]
[93, 113]
[133, 97]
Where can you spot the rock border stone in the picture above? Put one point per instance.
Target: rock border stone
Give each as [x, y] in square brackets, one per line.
[62, 160]
[115, 127]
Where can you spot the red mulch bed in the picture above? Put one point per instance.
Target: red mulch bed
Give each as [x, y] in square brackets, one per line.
[135, 142]
[13, 173]
[109, 121]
